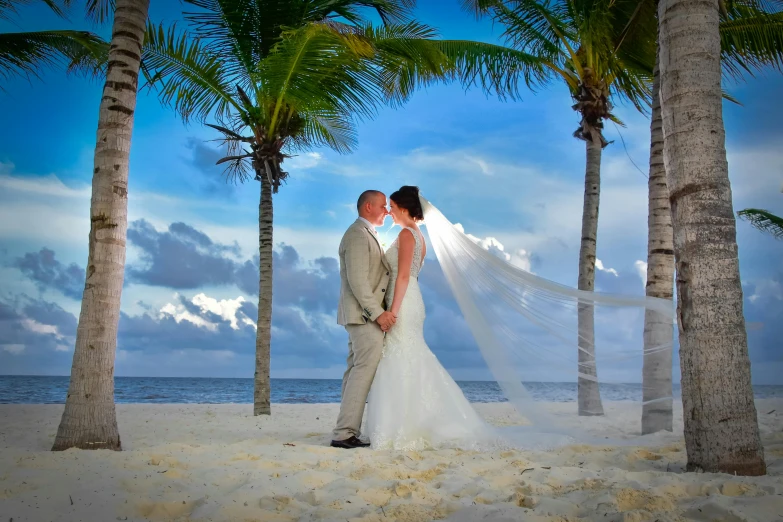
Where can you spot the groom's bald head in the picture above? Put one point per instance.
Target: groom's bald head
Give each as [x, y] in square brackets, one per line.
[372, 206]
[367, 198]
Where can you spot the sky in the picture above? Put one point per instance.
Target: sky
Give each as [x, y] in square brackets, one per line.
[509, 172]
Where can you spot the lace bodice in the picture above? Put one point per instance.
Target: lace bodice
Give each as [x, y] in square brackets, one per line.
[410, 319]
[392, 256]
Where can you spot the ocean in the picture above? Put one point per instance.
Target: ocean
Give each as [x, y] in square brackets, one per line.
[17, 389]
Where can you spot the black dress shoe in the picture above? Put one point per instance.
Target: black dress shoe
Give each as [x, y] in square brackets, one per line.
[350, 443]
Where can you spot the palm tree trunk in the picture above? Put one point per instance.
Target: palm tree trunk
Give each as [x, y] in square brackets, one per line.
[261, 392]
[657, 367]
[721, 426]
[89, 420]
[588, 392]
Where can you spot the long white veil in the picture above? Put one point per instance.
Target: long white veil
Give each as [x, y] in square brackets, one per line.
[526, 328]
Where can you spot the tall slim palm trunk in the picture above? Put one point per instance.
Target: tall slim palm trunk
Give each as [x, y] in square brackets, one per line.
[587, 388]
[89, 420]
[657, 367]
[721, 427]
[261, 389]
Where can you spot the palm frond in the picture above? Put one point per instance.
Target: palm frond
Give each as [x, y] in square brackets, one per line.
[406, 56]
[234, 30]
[318, 130]
[25, 54]
[315, 69]
[188, 78]
[534, 28]
[750, 41]
[494, 68]
[100, 11]
[730, 98]
[763, 221]
[479, 8]
[8, 8]
[389, 11]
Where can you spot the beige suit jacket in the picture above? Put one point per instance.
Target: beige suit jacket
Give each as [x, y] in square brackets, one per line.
[364, 276]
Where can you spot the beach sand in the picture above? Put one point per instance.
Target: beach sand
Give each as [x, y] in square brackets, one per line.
[218, 462]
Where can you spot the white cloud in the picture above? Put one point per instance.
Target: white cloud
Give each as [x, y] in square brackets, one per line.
[307, 160]
[520, 257]
[482, 165]
[227, 309]
[599, 265]
[310, 243]
[15, 349]
[53, 214]
[39, 328]
[767, 288]
[641, 270]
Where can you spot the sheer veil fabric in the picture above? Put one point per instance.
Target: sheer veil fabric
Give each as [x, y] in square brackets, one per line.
[526, 329]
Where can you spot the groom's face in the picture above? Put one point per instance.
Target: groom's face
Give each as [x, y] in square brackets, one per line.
[377, 210]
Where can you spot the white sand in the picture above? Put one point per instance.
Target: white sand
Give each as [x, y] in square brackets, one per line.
[218, 462]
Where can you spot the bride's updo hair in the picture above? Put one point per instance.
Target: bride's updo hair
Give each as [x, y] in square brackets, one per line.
[408, 198]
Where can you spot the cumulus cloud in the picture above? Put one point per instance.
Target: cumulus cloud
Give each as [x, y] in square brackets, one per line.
[227, 310]
[520, 257]
[641, 269]
[599, 265]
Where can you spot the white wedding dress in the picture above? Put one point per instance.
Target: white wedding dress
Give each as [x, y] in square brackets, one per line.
[414, 404]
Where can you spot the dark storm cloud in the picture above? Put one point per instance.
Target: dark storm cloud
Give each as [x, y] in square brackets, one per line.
[180, 257]
[211, 178]
[46, 271]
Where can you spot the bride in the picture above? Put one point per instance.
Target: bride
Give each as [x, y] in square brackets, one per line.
[414, 403]
[526, 329]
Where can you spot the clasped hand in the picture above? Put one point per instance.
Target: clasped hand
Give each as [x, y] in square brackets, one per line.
[386, 320]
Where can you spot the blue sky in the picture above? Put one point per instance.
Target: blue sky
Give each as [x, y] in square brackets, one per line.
[508, 171]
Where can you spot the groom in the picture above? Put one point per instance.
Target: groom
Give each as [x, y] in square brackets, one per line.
[364, 275]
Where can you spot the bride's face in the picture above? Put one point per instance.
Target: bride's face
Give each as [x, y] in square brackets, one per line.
[398, 215]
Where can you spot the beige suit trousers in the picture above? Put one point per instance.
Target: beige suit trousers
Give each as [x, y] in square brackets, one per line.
[365, 346]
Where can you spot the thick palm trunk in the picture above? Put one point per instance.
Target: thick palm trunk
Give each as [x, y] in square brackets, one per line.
[89, 420]
[657, 368]
[261, 389]
[588, 392]
[721, 427]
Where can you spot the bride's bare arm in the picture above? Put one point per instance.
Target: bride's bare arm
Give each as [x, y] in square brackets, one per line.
[406, 244]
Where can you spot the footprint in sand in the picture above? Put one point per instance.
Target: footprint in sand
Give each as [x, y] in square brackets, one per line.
[634, 499]
[738, 489]
[643, 454]
[165, 510]
[171, 462]
[275, 502]
[710, 511]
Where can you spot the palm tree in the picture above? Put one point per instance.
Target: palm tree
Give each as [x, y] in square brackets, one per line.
[599, 49]
[26, 53]
[751, 38]
[89, 420]
[279, 77]
[764, 221]
[721, 425]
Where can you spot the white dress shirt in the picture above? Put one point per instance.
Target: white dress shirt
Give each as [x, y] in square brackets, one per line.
[369, 225]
